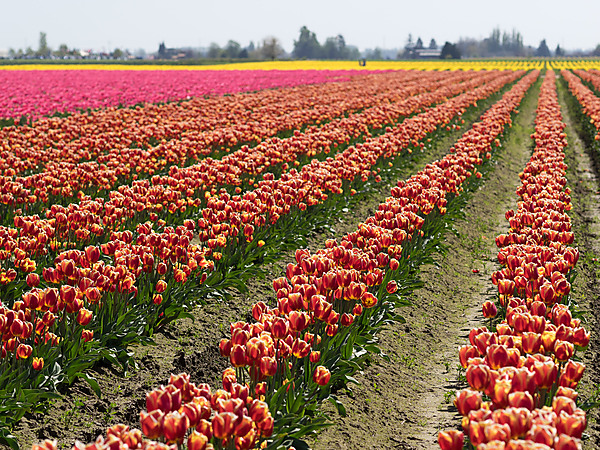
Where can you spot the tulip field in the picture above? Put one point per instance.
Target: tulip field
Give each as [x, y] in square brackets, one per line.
[298, 255]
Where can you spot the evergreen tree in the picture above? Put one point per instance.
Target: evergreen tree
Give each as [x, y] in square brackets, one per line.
[543, 49]
[307, 45]
[450, 51]
[559, 51]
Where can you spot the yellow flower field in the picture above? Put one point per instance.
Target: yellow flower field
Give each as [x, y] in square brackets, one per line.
[489, 64]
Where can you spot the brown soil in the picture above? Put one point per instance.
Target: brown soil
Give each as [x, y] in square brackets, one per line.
[402, 403]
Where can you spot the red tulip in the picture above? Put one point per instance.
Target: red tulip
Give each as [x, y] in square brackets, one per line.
[489, 310]
[321, 375]
[467, 400]
[451, 440]
[175, 426]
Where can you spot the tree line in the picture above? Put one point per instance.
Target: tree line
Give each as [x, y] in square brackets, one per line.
[307, 46]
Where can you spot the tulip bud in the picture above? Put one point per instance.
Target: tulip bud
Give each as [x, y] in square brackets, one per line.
[223, 425]
[564, 442]
[489, 310]
[33, 279]
[298, 320]
[268, 366]
[497, 356]
[571, 424]
[497, 432]
[92, 254]
[197, 441]
[258, 410]
[542, 434]
[280, 328]
[451, 440]
[573, 371]
[225, 347]
[175, 426]
[87, 335]
[205, 427]
[84, 316]
[152, 423]
[67, 293]
[392, 287]
[581, 337]
[506, 287]
[467, 400]
[502, 389]
[24, 351]
[521, 400]
[347, 319]
[266, 426]
[563, 350]
[161, 285]
[38, 363]
[237, 356]
[321, 375]
[467, 352]
[478, 376]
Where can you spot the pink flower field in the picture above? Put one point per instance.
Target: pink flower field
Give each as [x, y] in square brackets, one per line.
[35, 93]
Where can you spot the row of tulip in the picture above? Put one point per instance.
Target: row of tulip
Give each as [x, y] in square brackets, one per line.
[230, 169]
[144, 284]
[522, 373]
[327, 299]
[225, 218]
[60, 181]
[231, 417]
[326, 302]
[590, 103]
[118, 134]
[146, 253]
[591, 76]
[45, 92]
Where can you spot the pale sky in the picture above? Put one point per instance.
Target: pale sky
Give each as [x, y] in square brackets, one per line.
[134, 24]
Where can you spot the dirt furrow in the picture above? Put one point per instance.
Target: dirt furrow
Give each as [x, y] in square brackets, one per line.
[403, 403]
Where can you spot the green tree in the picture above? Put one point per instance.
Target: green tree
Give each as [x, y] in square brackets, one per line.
[162, 50]
[307, 45]
[43, 50]
[335, 48]
[330, 49]
[214, 51]
[450, 51]
[232, 49]
[543, 49]
[559, 51]
[374, 54]
[117, 53]
[271, 48]
[62, 51]
[433, 45]
[596, 51]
